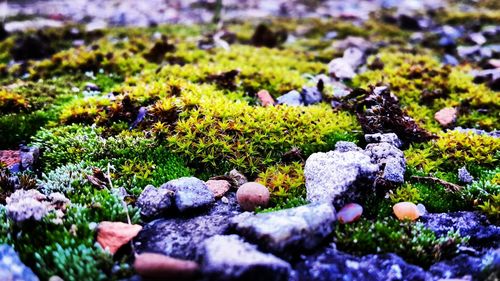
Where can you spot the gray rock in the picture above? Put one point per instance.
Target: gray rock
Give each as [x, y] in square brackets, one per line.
[331, 175]
[467, 51]
[229, 258]
[389, 158]
[287, 231]
[341, 69]
[190, 193]
[354, 57]
[390, 138]
[292, 98]
[29, 157]
[178, 237]
[311, 95]
[154, 201]
[26, 205]
[331, 264]
[344, 146]
[464, 176]
[450, 60]
[473, 224]
[352, 41]
[237, 177]
[494, 133]
[457, 267]
[11, 267]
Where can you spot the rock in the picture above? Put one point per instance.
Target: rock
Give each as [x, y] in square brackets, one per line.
[352, 41]
[113, 235]
[154, 201]
[289, 230]
[467, 51]
[179, 237]
[10, 157]
[341, 69]
[354, 57]
[190, 193]
[390, 138]
[157, 266]
[331, 264]
[252, 195]
[446, 116]
[345, 146]
[450, 60]
[265, 98]
[238, 177]
[473, 224]
[11, 267]
[464, 176]
[477, 38]
[29, 157]
[229, 258]
[390, 159]
[331, 175]
[406, 211]
[421, 209]
[26, 205]
[89, 86]
[312, 95]
[218, 187]
[292, 98]
[350, 213]
[459, 267]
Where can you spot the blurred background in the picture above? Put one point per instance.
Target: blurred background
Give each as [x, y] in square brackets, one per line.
[152, 12]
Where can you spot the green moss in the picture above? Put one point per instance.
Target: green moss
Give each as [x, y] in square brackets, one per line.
[285, 182]
[410, 76]
[453, 150]
[413, 242]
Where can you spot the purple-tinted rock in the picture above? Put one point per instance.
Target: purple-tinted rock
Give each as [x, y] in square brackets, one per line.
[350, 213]
[482, 233]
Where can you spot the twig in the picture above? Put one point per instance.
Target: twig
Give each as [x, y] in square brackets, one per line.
[448, 185]
[123, 201]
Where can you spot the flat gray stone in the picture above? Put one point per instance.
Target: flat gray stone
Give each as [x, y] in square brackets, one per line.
[229, 258]
[292, 98]
[190, 193]
[289, 230]
[332, 174]
[180, 236]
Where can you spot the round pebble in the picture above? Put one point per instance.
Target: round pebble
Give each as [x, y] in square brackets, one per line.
[350, 213]
[252, 195]
[406, 210]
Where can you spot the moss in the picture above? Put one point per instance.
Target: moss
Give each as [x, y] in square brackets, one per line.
[453, 150]
[285, 182]
[413, 242]
[410, 76]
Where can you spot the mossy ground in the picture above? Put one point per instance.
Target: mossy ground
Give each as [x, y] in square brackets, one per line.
[197, 126]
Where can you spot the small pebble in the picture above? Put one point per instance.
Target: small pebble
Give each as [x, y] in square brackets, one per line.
[350, 213]
[218, 187]
[406, 210]
[252, 195]
[446, 116]
[161, 267]
[265, 98]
